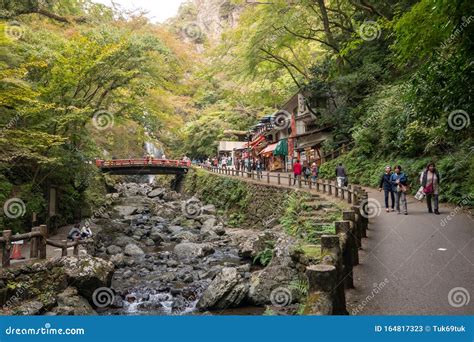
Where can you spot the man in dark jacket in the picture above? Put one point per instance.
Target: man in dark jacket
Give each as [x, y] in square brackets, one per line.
[341, 175]
[386, 186]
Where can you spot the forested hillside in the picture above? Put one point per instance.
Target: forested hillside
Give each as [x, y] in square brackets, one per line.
[81, 81]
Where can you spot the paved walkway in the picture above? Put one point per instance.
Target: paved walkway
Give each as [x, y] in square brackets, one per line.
[418, 264]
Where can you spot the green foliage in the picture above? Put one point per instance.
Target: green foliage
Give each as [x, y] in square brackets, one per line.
[298, 225]
[264, 257]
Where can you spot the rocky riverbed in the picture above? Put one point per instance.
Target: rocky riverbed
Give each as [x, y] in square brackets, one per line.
[174, 255]
[156, 252]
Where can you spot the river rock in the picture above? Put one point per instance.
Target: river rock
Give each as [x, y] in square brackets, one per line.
[226, 290]
[123, 240]
[113, 249]
[71, 304]
[87, 273]
[208, 209]
[133, 250]
[157, 193]
[189, 250]
[117, 259]
[126, 210]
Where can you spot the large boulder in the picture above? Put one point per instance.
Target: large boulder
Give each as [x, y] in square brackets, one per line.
[189, 250]
[133, 250]
[226, 290]
[87, 273]
[71, 304]
[279, 277]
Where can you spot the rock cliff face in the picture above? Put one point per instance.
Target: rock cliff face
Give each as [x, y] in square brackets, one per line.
[204, 21]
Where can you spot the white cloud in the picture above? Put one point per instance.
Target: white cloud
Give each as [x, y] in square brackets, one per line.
[158, 10]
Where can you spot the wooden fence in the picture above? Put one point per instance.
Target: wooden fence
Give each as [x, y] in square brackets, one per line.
[328, 279]
[38, 238]
[348, 193]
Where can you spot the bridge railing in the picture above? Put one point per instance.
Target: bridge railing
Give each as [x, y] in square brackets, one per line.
[38, 238]
[142, 162]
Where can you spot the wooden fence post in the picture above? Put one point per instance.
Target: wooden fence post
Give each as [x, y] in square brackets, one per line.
[344, 228]
[268, 177]
[331, 255]
[330, 187]
[75, 251]
[64, 248]
[349, 194]
[6, 234]
[322, 281]
[42, 241]
[349, 215]
[278, 178]
[34, 244]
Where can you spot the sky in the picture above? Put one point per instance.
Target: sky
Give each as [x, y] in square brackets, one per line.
[159, 10]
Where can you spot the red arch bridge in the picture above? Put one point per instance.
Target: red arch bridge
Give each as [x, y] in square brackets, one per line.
[144, 166]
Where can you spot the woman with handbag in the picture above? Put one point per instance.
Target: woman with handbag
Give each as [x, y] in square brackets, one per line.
[429, 180]
[399, 185]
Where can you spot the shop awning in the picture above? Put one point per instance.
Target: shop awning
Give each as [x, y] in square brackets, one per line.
[269, 149]
[281, 148]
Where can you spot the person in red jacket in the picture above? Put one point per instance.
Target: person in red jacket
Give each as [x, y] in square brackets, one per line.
[296, 171]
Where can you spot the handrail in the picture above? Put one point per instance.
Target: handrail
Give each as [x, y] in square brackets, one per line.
[350, 193]
[142, 162]
[38, 238]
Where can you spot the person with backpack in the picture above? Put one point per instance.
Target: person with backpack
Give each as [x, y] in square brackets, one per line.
[386, 186]
[429, 180]
[399, 183]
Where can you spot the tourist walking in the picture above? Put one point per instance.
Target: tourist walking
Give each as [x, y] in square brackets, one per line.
[399, 186]
[341, 175]
[386, 186]
[306, 172]
[296, 171]
[314, 172]
[259, 168]
[429, 180]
